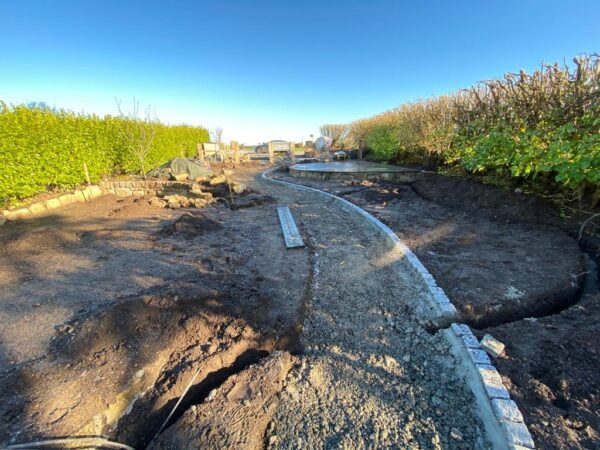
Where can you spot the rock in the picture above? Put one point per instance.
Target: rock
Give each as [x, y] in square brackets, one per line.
[219, 179]
[95, 191]
[67, 199]
[238, 188]
[179, 177]
[79, 196]
[227, 172]
[22, 213]
[53, 203]
[37, 208]
[200, 203]
[492, 346]
[63, 329]
[518, 191]
[185, 202]
[157, 202]
[456, 434]
[122, 192]
[87, 194]
[173, 204]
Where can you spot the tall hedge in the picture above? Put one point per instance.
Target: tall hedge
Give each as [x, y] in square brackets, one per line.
[42, 149]
[544, 125]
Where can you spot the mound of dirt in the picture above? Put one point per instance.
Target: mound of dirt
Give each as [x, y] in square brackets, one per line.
[190, 226]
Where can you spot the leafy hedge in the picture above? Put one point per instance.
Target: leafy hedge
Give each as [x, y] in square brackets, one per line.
[544, 125]
[42, 149]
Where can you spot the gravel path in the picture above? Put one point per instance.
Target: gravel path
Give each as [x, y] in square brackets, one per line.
[369, 376]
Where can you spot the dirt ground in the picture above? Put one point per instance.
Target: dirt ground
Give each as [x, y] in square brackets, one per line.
[512, 267]
[112, 300]
[112, 309]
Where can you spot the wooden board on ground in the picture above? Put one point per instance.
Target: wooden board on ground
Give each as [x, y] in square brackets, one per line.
[290, 230]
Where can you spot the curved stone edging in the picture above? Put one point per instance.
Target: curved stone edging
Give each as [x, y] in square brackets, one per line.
[500, 415]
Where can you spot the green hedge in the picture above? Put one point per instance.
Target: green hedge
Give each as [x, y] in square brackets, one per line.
[41, 149]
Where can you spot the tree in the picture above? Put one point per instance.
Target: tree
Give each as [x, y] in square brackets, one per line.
[138, 134]
[218, 135]
[336, 132]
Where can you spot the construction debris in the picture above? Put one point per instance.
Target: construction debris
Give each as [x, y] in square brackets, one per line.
[492, 346]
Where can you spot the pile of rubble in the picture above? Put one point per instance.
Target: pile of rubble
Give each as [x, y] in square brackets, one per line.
[199, 195]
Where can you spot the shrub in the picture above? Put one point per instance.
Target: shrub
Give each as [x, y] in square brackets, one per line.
[544, 124]
[42, 149]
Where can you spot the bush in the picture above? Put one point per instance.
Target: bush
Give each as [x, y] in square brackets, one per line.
[545, 124]
[383, 142]
[42, 149]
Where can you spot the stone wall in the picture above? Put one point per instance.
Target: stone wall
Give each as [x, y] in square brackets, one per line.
[35, 209]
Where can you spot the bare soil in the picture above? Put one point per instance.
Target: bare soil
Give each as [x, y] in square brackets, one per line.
[114, 312]
[113, 301]
[513, 268]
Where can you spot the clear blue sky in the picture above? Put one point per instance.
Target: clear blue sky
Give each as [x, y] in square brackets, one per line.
[275, 69]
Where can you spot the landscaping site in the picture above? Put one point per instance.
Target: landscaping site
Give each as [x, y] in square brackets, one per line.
[438, 288]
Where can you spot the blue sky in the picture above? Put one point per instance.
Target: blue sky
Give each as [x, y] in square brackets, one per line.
[275, 69]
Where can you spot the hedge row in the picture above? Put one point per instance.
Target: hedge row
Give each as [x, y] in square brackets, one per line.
[41, 149]
[546, 124]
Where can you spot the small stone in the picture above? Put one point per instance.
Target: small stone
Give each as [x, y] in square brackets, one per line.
[211, 396]
[219, 179]
[406, 358]
[180, 177]
[456, 434]
[273, 439]
[238, 188]
[157, 202]
[492, 346]
[173, 205]
[518, 191]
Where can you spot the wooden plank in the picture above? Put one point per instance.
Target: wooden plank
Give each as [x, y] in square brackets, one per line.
[288, 226]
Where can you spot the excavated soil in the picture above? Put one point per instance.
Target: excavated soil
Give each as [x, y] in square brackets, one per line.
[513, 268]
[109, 308]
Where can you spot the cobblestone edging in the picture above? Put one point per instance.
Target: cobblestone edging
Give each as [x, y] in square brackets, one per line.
[35, 209]
[501, 416]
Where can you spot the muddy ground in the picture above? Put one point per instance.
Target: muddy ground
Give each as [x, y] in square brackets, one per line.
[504, 259]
